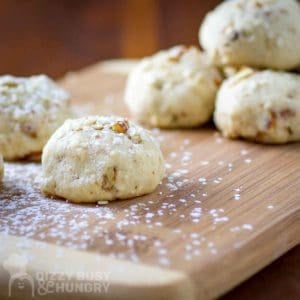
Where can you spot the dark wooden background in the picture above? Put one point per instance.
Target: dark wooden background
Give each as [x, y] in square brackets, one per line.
[56, 36]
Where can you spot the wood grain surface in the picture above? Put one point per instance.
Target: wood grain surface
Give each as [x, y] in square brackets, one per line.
[224, 211]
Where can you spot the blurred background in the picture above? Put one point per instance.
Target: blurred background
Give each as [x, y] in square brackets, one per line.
[56, 36]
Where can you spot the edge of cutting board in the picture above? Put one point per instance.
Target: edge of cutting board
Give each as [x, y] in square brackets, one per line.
[126, 280]
[240, 264]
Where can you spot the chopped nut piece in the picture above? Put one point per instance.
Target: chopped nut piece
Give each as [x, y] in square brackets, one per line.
[290, 130]
[109, 179]
[217, 81]
[136, 138]
[29, 130]
[287, 113]
[98, 126]
[258, 4]
[177, 53]
[120, 126]
[158, 84]
[234, 35]
[272, 120]
[10, 84]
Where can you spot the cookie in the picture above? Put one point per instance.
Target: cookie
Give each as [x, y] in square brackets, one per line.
[175, 88]
[256, 33]
[260, 106]
[96, 158]
[31, 109]
[1, 167]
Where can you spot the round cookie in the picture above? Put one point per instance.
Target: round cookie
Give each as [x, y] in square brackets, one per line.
[173, 88]
[31, 109]
[96, 158]
[257, 33]
[260, 106]
[1, 167]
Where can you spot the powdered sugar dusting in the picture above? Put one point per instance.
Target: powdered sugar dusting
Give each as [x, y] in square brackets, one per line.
[178, 214]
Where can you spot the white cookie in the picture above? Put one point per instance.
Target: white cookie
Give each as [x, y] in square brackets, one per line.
[96, 158]
[31, 109]
[260, 106]
[1, 167]
[173, 88]
[257, 33]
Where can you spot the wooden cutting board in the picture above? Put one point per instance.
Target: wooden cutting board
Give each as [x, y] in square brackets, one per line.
[225, 210]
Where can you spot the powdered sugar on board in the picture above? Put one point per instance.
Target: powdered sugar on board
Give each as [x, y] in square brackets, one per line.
[179, 214]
